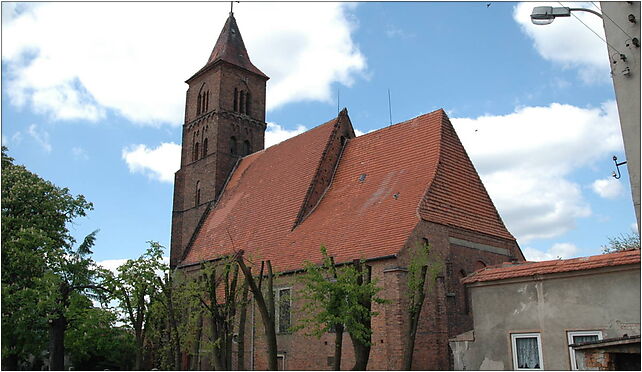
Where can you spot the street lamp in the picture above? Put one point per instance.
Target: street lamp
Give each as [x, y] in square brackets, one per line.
[545, 15]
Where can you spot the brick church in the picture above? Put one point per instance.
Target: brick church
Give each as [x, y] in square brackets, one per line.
[370, 197]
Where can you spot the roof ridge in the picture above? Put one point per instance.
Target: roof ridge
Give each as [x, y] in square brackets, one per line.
[401, 123]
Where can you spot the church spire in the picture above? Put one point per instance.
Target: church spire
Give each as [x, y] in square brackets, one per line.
[231, 49]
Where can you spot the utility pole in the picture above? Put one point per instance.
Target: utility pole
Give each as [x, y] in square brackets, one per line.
[622, 29]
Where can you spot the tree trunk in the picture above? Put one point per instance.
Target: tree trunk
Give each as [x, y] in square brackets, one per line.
[267, 313]
[10, 363]
[362, 348]
[338, 346]
[57, 343]
[216, 349]
[416, 303]
[241, 338]
[361, 355]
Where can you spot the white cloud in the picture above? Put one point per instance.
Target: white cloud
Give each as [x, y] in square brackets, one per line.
[40, 136]
[568, 42]
[358, 133]
[159, 164]
[525, 158]
[608, 188]
[557, 251]
[112, 265]
[70, 61]
[275, 133]
[79, 153]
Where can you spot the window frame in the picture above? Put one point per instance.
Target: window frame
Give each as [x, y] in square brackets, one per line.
[569, 339]
[513, 341]
[277, 309]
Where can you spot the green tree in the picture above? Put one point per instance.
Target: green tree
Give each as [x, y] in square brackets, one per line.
[135, 287]
[37, 250]
[69, 272]
[93, 341]
[338, 298]
[622, 242]
[423, 268]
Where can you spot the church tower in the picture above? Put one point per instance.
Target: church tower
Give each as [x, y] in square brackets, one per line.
[224, 121]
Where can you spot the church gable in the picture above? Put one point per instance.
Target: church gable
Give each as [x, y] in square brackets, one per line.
[457, 196]
[337, 140]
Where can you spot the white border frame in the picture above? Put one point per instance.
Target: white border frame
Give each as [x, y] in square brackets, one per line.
[569, 339]
[515, 336]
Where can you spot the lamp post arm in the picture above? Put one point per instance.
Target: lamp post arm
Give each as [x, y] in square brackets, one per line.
[586, 10]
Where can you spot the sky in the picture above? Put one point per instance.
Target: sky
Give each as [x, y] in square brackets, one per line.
[93, 99]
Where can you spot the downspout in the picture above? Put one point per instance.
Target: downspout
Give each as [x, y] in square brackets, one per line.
[252, 339]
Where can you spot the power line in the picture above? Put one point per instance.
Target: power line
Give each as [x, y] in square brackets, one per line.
[596, 34]
[610, 19]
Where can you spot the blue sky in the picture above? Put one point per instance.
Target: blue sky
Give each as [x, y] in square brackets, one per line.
[93, 97]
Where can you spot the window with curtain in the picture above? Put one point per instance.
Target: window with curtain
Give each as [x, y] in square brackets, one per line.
[527, 353]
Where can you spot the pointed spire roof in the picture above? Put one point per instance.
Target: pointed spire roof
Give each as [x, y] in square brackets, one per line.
[230, 48]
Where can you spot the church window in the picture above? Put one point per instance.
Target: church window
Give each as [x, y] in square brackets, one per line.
[283, 300]
[242, 104]
[247, 103]
[246, 147]
[236, 100]
[462, 274]
[198, 104]
[205, 147]
[195, 153]
[479, 265]
[197, 196]
[343, 140]
[233, 146]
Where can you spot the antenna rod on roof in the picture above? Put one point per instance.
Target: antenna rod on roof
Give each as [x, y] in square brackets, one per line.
[338, 99]
[389, 107]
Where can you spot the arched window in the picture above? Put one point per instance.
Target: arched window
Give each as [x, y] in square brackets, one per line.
[197, 195]
[247, 103]
[479, 265]
[205, 147]
[246, 147]
[242, 108]
[233, 146]
[462, 274]
[198, 104]
[207, 101]
[195, 153]
[236, 100]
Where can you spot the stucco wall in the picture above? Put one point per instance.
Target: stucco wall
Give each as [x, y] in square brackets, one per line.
[607, 300]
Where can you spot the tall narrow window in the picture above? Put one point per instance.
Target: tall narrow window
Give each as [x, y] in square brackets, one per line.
[236, 100]
[205, 147]
[207, 101]
[197, 195]
[576, 338]
[233, 146]
[283, 300]
[242, 103]
[195, 154]
[527, 351]
[246, 147]
[247, 102]
[198, 104]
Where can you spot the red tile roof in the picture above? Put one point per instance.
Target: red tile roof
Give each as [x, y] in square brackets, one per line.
[521, 269]
[230, 48]
[410, 171]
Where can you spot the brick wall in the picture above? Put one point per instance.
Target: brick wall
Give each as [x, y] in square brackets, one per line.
[217, 125]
